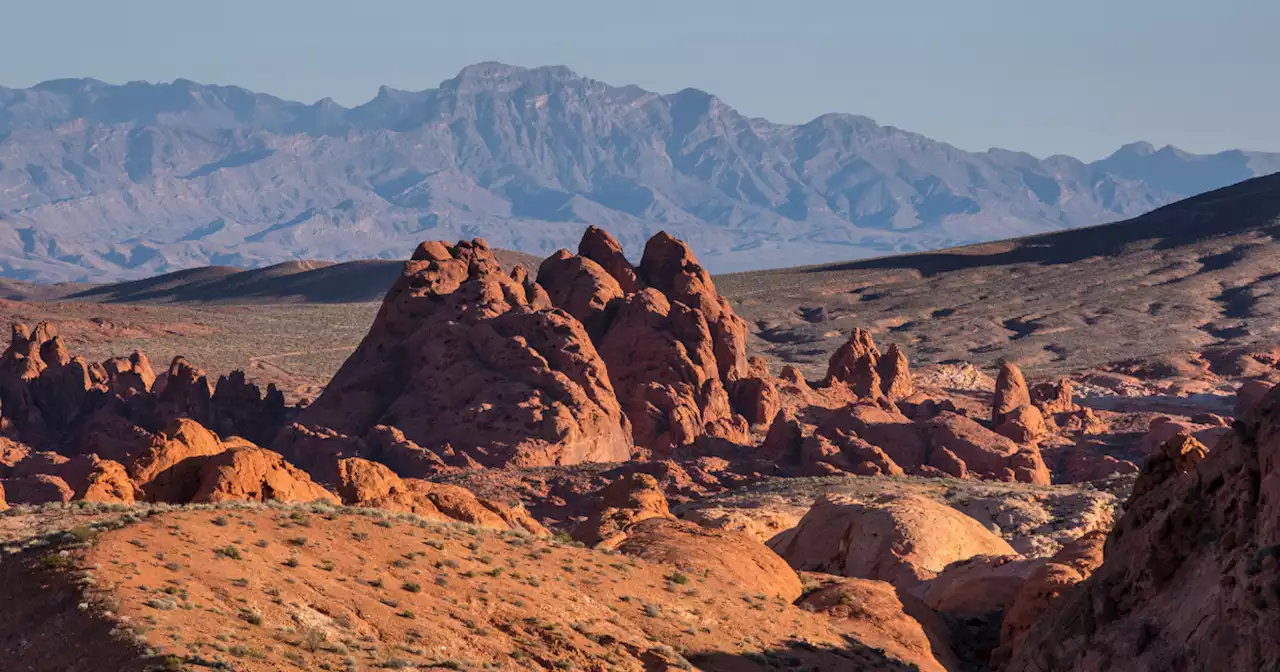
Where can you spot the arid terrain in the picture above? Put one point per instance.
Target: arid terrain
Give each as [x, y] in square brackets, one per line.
[1053, 453]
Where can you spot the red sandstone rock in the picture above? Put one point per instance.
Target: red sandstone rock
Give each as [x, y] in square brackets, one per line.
[844, 360]
[756, 398]
[984, 453]
[894, 433]
[894, 624]
[244, 472]
[1023, 424]
[1190, 573]
[598, 246]
[903, 540]
[582, 288]
[462, 355]
[1011, 392]
[669, 266]
[1068, 567]
[895, 374]
[623, 503]
[1053, 398]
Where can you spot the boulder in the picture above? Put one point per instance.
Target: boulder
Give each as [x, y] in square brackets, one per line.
[621, 504]
[904, 540]
[246, 473]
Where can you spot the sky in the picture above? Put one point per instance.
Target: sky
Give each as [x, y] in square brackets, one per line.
[1080, 78]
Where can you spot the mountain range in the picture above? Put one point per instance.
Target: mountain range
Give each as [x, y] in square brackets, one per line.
[111, 182]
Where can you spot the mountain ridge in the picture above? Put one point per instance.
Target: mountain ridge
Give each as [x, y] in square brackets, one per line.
[114, 182]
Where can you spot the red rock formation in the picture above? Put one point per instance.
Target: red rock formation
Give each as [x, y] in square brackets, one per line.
[238, 408]
[1054, 398]
[895, 374]
[129, 375]
[894, 433]
[169, 470]
[622, 503]
[1046, 583]
[978, 586]
[669, 266]
[1011, 392]
[186, 393]
[878, 616]
[461, 354]
[844, 361]
[36, 489]
[244, 472]
[598, 246]
[756, 398]
[984, 453]
[1191, 569]
[582, 288]
[903, 540]
[662, 356]
[733, 555]
[823, 454]
[1023, 424]
[365, 483]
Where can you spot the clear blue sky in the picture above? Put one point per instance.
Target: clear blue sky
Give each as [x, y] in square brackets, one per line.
[1078, 77]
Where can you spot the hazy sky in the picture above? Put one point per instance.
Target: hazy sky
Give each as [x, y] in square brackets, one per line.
[1079, 77]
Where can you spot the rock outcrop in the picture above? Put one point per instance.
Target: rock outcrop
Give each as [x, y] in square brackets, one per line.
[1191, 570]
[874, 613]
[674, 348]
[962, 447]
[904, 540]
[465, 356]
[1046, 583]
[631, 516]
[369, 484]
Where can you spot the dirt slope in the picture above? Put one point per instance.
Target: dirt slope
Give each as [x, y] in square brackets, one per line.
[256, 588]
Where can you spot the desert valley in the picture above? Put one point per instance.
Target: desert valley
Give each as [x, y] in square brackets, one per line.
[1047, 453]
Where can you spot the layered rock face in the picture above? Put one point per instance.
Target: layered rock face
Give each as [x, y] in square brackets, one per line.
[1191, 571]
[674, 348]
[463, 357]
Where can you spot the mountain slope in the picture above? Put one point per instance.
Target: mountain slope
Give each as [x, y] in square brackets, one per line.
[114, 182]
[1202, 274]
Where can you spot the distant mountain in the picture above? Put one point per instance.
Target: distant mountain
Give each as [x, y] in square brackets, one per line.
[104, 182]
